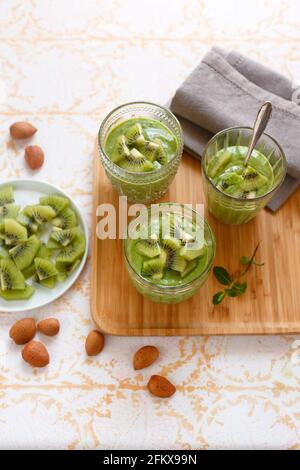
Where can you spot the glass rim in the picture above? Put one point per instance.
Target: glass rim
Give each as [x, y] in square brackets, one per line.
[240, 199]
[140, 173]
[188, 284]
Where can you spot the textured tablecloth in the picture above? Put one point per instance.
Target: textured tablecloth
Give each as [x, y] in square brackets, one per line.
[63, 66]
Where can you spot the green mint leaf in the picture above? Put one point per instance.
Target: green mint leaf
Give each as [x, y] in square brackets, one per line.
[222, 275]
[232, 292]
[218, 297]
[245, 260]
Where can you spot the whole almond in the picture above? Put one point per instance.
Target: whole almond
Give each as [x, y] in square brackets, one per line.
[49, 326]
[35, 354]
[34, 156]
[144, 357]
[94, 343]
[23, 331]
[22, 130]
[160, 387]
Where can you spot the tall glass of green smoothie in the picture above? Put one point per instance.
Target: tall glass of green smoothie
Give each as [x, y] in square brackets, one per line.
[236, 192]
[140, 146]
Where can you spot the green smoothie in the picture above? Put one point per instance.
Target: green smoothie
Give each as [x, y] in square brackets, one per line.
[146, 155]
[173, 253]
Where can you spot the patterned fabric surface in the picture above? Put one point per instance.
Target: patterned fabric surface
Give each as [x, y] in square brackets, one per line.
[63, 65]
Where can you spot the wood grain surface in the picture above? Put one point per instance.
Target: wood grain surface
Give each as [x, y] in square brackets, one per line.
[270, 306]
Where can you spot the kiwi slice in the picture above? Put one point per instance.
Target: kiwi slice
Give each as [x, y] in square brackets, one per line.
[44, 268]
[133, 133]
[218, 162]
[171, 243]
[66, 270]
[153, 268]
[189, 268]
[10, 277]
[14, 232]
[58, 203]
[136, 162]
[161, 155]
[64, 237]
[53, 245]
[27, 222]
[40, 214]
[252, 179]
[49, 282]
[9, 211]
[22, 294]
[72, 252]
[120, 150]
[147, 148]
[3, 252]
[149, 248]
[66, 219]
[29, 271]
[44, 252]
[23, 254]
[192, 251]
[6, 195]
[175, 261]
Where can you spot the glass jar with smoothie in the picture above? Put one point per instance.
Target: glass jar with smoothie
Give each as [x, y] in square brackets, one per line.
[170, 256]
[235, 193]
[140, 147]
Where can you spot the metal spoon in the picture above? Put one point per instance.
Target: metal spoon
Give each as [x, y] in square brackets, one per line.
[261, 122]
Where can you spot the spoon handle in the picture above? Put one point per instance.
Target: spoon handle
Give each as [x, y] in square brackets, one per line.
[262, 119]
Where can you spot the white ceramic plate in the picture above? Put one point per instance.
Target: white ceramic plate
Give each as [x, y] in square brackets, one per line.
[28, 192]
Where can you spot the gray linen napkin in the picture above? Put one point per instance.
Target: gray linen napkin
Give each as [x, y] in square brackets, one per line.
[227, 90]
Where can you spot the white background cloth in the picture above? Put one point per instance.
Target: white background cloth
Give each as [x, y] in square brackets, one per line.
[63, 66]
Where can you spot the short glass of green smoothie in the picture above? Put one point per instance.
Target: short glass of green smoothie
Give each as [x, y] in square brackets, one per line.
[168, 252]
[236, 192]
[140, 146]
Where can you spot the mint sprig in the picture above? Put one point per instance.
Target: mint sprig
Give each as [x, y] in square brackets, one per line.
[234, 287]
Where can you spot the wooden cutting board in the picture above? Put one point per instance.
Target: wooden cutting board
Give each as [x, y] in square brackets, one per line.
[270, 306]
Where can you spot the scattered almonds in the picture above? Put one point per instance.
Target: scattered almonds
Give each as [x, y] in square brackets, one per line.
[160, 387]
[23, 331]
[22, 130]
[49, 326]
[94, 343]
[35, 354]
[144, 357]
[34, 156]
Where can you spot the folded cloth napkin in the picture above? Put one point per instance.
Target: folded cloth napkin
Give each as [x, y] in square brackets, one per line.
[227, 90]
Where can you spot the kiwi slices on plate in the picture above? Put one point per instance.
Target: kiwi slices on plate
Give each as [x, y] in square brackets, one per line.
[43, 244]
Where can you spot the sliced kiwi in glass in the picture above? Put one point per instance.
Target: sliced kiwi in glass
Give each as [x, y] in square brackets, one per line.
[14, 232]
[192, 251]
[149, 248]
[161, 155]
[58, 203]
[66, 219]
[153, 268]
[10, 276]
[147, 148]
[23, 254]
[6, 195]
[44, 268]
[136, 162]
[133, 133]
[175, 261]
[21, 294]
[171, 243]
[189, 268]
[252, 179]
[217, 163]
[120, 150]
[40, 214]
